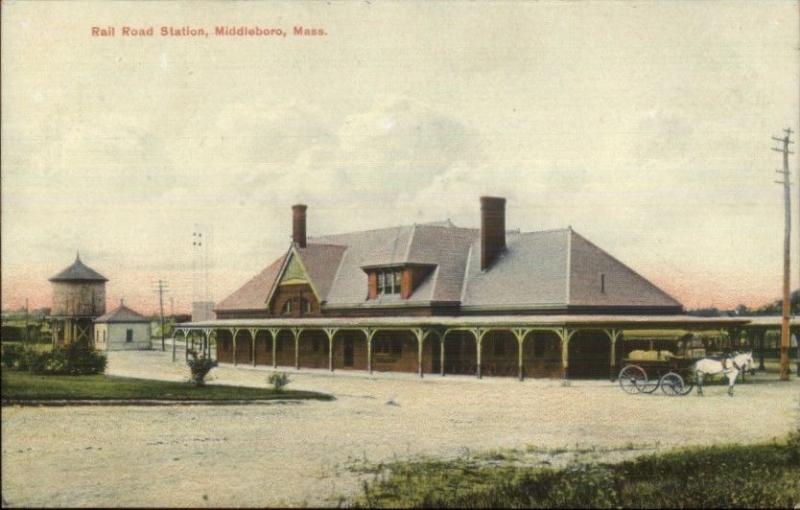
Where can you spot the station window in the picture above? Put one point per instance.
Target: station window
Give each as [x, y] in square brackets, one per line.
[388, 346]
[287, 307]
[129, 336]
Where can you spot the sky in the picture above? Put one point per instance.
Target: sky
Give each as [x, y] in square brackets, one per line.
[643, 125]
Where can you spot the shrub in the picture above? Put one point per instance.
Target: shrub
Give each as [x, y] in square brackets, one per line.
[57, 364]
[199, 366]
[278, 380]
[80, 358]
[34, 361]
[11, 355]
[11, 333]
[73, 359]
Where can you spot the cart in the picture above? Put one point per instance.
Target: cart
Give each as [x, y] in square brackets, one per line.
[645, 371]
[672, 375]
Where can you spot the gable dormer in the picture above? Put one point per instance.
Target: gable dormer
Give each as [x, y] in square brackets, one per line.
[294, 294]
[399, 280]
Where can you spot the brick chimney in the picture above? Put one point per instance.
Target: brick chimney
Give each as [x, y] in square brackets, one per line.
[493, 229]
[299, 225]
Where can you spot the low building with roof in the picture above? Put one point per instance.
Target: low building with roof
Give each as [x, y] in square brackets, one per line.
[437, 298]
[122, 329]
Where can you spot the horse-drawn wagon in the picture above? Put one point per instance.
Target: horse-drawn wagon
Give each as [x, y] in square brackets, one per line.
[644, 371]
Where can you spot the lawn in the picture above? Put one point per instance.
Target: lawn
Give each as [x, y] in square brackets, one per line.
[36, 346]
[730, 476]
[25, 386]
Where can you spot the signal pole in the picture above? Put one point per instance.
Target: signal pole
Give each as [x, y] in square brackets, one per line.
[786, 251]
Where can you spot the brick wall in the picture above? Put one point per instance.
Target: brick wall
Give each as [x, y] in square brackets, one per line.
[358, 342]
[263, 348]
[224, 347]
[542, 355]
[461, 356]
[314, 349]
[500, 354]
[244, 347]
[285, 349]
[394, 351]
[294, 293]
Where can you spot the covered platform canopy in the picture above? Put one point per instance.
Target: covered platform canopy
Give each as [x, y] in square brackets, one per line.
[579, 340]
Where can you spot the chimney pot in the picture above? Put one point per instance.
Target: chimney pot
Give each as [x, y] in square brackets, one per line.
[299, 225]
[493, 229]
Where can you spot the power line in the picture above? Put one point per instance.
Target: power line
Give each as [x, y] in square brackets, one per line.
[787, 233]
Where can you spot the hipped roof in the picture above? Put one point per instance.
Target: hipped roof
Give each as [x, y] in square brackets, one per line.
[78, 272]
[537, 270]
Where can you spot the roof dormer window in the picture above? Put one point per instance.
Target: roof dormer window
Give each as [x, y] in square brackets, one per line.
[389, 281]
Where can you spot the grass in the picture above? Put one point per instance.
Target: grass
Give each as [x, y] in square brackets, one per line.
[762, 475]
[36, 346]
[25, 386]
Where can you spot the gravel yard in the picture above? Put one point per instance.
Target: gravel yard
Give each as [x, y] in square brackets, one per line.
[298, 453]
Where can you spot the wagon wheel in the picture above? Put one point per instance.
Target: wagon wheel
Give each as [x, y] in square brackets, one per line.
[649, 385]
[672, 384]
[632, 378]
[688, 386]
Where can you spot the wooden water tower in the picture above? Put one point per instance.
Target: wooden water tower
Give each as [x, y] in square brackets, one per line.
[79, 297]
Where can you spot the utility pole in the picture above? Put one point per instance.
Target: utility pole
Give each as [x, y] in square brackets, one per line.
[794, 312]
[27, 339]
[787, 232]
[161, 288]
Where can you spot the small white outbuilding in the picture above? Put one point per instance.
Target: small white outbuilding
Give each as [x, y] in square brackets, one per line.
[122, 329]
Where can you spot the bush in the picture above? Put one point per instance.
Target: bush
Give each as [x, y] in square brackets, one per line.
[80, 358]
[74, 359]
[33, 361]
[199, 366]
[11, 355]
[278, 380]
[11, 333]
[57, 364]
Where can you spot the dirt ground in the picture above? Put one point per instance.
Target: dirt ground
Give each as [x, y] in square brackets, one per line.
[297, 454]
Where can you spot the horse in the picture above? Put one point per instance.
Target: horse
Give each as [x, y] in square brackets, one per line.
[749, 365]
[730, 367]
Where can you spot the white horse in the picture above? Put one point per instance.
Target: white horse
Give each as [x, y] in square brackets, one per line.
[730, 367]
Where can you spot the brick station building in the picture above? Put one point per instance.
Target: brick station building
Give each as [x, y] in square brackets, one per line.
[437, 298]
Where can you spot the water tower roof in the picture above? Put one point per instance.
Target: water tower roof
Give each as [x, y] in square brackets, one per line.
[78, 272]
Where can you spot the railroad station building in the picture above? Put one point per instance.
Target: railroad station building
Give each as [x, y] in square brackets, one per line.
[435, 298]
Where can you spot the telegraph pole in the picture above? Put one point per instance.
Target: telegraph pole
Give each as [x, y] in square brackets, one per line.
[27, 339]
[787, 231]
[161, 288]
